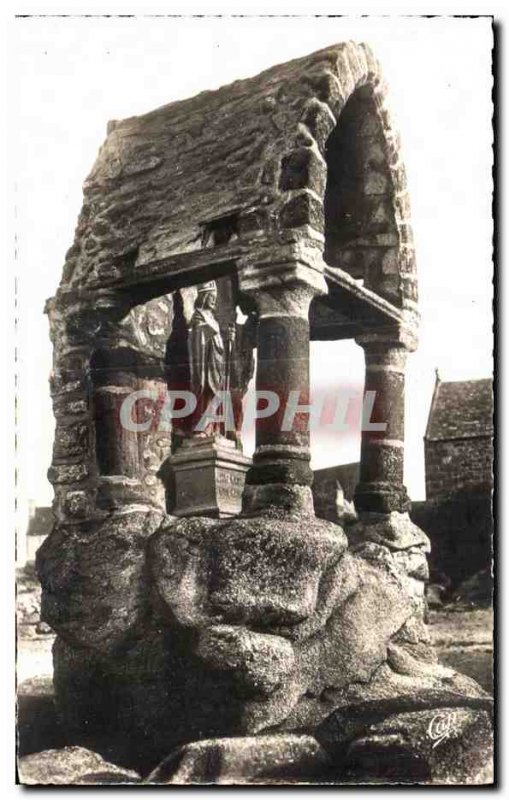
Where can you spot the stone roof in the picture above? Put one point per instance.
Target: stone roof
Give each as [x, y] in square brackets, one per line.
[248, 156]
[461, 410]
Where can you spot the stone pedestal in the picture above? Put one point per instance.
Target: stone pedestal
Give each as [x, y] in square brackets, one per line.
[209, 477]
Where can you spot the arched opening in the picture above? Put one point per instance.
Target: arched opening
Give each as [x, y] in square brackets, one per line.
[336, 391]
[361, 239]
[134, 365]
[361, 236]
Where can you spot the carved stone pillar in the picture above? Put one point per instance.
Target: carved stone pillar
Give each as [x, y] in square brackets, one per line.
[381, 488]
[385, 532]
[281, 475]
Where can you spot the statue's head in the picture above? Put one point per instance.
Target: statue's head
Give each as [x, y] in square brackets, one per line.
[207, 295]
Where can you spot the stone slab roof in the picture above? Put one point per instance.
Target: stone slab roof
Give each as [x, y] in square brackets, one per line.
[461, 410]
[249, 157]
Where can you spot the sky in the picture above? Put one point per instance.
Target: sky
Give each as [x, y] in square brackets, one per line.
[71, 75]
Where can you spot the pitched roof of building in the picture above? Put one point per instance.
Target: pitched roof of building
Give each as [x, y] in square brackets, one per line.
[461, 410]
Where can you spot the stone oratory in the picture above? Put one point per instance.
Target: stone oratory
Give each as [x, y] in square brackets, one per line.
[210, 628]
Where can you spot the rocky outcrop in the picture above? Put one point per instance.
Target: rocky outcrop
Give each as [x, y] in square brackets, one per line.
[252, 759]
[444, 745]
[214, 629]
[95, 590]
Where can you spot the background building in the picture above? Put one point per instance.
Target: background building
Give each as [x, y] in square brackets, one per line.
[458, 443]
[458, 513]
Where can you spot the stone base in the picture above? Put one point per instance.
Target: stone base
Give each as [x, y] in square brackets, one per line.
[116, 492]
[279, 496]
[200, 628]
[395, 540]
[209, 477]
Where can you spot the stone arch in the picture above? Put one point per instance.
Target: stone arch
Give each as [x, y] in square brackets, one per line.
[252, 195]
[346, 154]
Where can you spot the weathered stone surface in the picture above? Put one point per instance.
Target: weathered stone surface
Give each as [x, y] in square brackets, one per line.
[71, 440]
[261, 661]
[303, 169]
[257, 570]
[71, 765]
[303, 209]
[262, 759]
[447, 745]
[95, 592]
[380, 730]
[394, 540]
[395, 531]
[249, 625]
[68, 473]
[463, 641]
[319, 119]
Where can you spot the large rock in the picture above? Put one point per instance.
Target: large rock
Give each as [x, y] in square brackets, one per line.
[71, 765]
[211, 629]
[395, 530]
[448, 745]
[297, 614]
[95, 593]
[252, 759]
[258, 570]
[414, 721]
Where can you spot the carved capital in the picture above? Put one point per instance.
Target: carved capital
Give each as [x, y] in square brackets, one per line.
[281, 268]
[397, 337]
[288, 300]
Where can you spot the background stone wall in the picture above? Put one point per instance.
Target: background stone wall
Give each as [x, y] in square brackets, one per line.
[460, 529]
[457, 465]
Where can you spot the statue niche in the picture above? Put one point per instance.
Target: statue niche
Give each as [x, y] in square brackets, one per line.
[208, 353]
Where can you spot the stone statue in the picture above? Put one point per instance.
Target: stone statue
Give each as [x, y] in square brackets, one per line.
[206, 354]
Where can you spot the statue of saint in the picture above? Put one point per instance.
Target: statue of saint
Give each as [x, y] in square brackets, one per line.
[206, 353]
[205, 356]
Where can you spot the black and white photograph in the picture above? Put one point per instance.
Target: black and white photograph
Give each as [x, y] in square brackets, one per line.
[253, 260]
